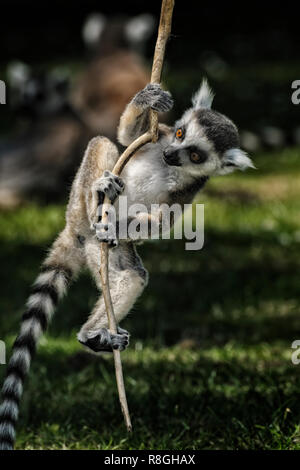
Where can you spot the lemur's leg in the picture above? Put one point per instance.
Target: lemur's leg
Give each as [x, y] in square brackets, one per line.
[135, 119]
[127, 281]
[101, 155]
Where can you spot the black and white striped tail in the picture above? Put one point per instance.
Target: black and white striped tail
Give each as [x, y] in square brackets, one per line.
[49, 287]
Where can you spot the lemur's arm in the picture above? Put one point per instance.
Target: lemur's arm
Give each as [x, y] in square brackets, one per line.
[141, 226]
[135, 119]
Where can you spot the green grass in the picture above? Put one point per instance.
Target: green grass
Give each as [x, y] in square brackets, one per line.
[209, 365]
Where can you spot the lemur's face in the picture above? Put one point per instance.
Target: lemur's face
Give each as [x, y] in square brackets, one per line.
[205, 142]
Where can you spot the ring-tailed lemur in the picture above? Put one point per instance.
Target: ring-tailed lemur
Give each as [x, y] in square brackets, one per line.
[202, 143]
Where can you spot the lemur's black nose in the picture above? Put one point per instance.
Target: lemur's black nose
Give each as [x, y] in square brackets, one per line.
[171, 157]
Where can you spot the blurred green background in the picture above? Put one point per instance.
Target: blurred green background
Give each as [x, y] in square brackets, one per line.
[209, 365]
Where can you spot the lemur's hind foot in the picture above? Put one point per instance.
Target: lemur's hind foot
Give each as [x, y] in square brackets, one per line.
[104, 341]
[106, 233]
[108, 185]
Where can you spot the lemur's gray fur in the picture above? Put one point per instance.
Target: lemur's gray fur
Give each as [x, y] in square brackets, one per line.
[203, 143]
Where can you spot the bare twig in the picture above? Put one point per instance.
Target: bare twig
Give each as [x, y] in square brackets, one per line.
[163, 34]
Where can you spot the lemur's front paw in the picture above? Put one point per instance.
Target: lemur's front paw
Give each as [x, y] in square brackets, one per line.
[106, 233]
[152, 96]
[108, 185]
[106, 341]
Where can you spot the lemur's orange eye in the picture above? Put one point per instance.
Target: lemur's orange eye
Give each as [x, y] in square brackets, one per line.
[195, 157]
[179, 134]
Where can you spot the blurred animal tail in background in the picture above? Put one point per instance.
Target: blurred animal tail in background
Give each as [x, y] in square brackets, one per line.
[47, 290]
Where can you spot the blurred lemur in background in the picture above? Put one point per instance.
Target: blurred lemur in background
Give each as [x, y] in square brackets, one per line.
[58, 117]
[115, 71]
[203, 143]
[39, 159]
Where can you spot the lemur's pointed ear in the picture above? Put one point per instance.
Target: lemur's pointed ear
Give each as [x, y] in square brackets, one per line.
[93, 28]
[140, 28]
[235, 159]
[17, 73]
[203, 98]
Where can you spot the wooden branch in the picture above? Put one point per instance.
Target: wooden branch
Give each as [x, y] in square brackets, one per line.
[163, 34]
[164, 31]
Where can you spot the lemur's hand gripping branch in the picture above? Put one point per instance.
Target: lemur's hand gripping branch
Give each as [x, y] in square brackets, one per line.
[163, 34]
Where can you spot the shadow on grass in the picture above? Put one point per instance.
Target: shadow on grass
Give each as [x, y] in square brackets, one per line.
[176, 401]
[236, 288]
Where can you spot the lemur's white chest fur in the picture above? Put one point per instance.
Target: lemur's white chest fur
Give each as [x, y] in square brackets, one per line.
[148, 179]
